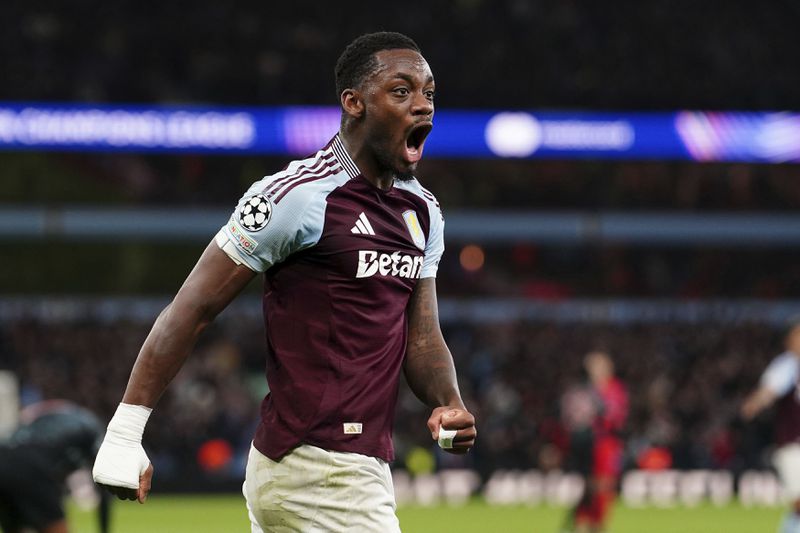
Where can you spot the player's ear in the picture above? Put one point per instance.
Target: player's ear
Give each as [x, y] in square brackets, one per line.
[352, 103]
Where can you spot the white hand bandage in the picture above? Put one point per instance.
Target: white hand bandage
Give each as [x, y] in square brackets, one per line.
[446, 438]
[121, 458]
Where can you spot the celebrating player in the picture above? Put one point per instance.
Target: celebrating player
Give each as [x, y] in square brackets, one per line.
[349, 243]
[780, 383]
[55, 438]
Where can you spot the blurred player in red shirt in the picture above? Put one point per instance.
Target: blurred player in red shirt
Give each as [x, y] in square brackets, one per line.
[597, 445]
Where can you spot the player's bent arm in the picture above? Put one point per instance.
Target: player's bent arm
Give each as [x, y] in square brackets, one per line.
[209, 288]
[121, 464]
[430, 371]
[429, 366]
[757, 401]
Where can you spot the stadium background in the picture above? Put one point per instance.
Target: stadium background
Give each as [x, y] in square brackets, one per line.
[691, 320]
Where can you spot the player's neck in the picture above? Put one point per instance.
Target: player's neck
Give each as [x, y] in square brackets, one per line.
[366, 162]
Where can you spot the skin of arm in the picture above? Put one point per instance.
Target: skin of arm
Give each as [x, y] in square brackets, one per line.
[213, 282]
[209, 288]
[430, 371]
[757, 401]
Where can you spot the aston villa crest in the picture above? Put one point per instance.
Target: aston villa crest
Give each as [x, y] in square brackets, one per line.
[414, 229]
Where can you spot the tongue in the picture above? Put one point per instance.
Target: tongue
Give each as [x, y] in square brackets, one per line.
[414, 153]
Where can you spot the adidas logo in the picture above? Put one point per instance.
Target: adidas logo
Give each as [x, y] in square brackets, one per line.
[362, 227]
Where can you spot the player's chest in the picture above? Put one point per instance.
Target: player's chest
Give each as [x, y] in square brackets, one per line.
[376, 240]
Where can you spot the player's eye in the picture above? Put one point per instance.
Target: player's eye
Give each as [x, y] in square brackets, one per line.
[430, 94]
[401, 91]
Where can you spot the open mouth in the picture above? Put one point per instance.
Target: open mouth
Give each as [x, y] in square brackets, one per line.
[416, 140]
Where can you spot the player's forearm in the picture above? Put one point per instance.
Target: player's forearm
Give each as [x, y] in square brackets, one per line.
[432, 376]
[428, 366]
[759, 400]
[166, 348]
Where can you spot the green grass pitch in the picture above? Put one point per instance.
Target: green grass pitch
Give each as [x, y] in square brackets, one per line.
[226, 514]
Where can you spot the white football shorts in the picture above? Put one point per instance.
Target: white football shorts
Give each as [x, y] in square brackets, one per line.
[312, 490]
[787, 462]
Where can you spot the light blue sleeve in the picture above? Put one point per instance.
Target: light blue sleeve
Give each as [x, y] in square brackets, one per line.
[781, 374]
[261, 233]
[434, 248]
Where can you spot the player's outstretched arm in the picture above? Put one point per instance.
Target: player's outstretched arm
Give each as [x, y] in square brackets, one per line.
[757, 401]
[210, 287]
[121, 464]
[430, 371]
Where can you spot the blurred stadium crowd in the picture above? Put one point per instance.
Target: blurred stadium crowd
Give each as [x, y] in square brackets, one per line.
[197, 181]
[529, 269]
[633, 55]
[686, 382]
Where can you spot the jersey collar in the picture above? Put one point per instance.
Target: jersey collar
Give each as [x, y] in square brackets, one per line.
[340, 152]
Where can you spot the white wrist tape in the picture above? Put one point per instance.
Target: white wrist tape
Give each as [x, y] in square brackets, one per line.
[128, 422]
[446, 437]
[121, 458]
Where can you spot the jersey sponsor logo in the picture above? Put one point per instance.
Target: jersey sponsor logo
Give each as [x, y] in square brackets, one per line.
[246, 243]
[362, 227]
[255, 212]
[352, 428]
[395, 264]
[414, 229]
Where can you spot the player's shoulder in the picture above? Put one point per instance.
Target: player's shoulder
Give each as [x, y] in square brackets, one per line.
[783, 366]
[302, 178]
[787, 360]
[293, 197]
[414, 187]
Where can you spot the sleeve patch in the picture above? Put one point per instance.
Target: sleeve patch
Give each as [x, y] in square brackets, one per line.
[248, 245]
[255, 213]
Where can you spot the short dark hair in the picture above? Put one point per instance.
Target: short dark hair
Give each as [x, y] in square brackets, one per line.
[358, 59]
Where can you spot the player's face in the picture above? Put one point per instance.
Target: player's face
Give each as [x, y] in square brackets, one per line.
[399, 110]
[599, 367]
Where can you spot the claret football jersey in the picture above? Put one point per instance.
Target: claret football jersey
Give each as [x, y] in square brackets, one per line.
[340, 259]
[782, 376]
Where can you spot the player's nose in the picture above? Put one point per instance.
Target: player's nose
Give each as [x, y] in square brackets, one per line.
[421, 105]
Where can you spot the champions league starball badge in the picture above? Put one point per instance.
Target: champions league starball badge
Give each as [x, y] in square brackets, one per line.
[255, 213]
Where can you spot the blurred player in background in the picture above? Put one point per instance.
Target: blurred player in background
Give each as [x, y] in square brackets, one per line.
[780, 383]
[596, 416]
[55, 439]
[350, 243]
